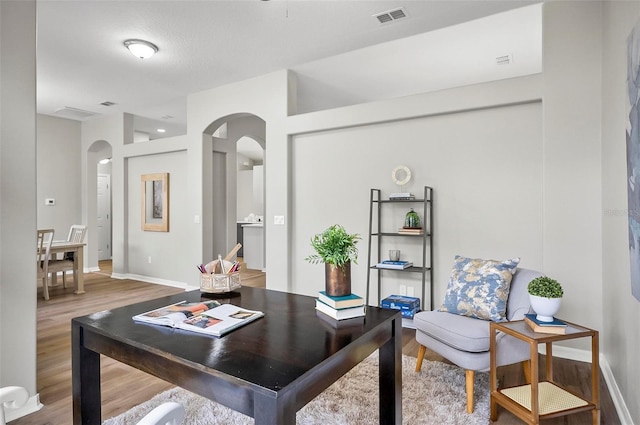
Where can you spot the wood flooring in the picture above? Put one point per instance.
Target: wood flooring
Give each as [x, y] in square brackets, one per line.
[124, 387]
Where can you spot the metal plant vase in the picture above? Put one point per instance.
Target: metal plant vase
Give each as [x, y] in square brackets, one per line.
[337, 279]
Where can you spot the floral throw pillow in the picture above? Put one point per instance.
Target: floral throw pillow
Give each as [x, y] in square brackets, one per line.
[479, 288]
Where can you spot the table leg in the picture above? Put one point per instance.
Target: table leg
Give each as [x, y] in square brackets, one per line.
[535, 408]
[493, 381]
[273, 411]
[549, 361]
[595, 377]
[78, 275]
[390, 377]
[85, 380]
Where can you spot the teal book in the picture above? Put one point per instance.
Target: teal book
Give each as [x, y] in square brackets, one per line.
[346, 301]
[534, 319]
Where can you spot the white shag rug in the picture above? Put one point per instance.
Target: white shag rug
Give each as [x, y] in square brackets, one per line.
[435, 395]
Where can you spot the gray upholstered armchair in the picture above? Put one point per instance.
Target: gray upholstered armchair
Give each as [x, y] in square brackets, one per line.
[465, 340]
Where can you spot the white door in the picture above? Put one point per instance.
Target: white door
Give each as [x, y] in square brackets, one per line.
[104, 216]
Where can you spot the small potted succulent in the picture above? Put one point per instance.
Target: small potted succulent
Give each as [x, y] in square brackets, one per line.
[545, 295]
[337, 250]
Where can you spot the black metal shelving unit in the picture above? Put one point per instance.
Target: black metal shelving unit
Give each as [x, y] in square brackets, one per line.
[376, 234]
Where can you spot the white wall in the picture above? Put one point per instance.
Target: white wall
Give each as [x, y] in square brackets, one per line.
[17, 194]
[572, 50]
[245, 194]
[258, 190]
[485, 167]
[620, 342]
[168, 261]
[58, 168]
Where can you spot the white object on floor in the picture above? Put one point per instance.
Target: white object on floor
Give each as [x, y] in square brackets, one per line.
[169, 413]
[11, 398]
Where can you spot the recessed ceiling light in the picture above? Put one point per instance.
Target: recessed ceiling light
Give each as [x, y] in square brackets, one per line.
[105, 161]
[161, 130]
[140, 48]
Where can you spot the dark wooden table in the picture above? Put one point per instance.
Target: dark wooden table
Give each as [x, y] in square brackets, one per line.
[268, 369]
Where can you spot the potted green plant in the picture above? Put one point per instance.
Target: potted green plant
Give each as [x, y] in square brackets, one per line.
[545, 295]
[337, 250]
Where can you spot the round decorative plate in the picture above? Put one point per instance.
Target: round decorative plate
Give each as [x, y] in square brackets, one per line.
[401, 175]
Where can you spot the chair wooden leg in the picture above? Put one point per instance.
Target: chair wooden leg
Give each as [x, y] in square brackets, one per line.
[64, 281]
[526, 367]
[45, 287]
[469, 375]
[421, 352]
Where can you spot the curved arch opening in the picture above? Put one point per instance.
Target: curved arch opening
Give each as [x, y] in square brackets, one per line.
[98, 209]
[234, 148]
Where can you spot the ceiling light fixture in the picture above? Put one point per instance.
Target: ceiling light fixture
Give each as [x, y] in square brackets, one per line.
[140, 48]
[105, 161]
[161, 130]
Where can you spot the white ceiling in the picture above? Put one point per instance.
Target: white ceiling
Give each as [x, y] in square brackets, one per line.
[81, 60]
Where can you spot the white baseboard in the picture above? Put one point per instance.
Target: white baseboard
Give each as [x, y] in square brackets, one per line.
[408, 323]
[621, 407]
[585, 356]
[32, 405]
[155, 280]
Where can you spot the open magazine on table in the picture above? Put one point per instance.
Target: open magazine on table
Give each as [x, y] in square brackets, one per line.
[207, 317]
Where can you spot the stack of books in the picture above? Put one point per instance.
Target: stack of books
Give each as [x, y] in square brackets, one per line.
[402, 196]
[340, 308]
[408, 306]
[555, 327]
[411, 230]
[395, 265]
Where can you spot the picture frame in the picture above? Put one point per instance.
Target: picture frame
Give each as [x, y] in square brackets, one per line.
[155, 202]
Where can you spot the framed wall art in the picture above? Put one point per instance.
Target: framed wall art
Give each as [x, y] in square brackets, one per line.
[155, 202]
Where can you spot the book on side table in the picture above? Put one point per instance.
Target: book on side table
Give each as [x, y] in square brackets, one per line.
[207, 317]
[555, 327]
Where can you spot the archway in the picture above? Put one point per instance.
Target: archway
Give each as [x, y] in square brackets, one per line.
[98, 221]
[220, 179]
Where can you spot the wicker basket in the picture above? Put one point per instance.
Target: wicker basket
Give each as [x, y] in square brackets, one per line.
[219, 283]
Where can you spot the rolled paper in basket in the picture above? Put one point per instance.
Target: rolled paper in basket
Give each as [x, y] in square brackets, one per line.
[214, 268]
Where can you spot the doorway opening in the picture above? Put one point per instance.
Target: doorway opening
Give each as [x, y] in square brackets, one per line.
[98, 215]
[235, 177]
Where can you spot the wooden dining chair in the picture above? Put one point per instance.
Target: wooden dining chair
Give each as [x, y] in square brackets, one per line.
[45, 238]
[76, 235]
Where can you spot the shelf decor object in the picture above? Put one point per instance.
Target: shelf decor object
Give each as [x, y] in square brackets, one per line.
[412, 220]
[401, 175]
[337, 250]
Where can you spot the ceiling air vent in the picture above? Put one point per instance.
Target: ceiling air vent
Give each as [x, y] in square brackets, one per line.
[504, 60]
[107, 103]
[391, 15]
[167, 117]
[74, 113]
